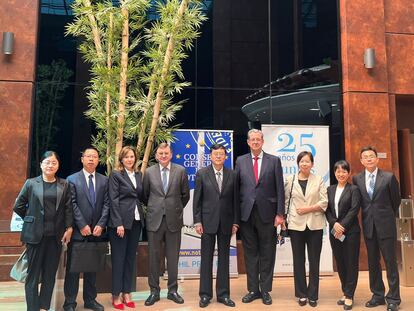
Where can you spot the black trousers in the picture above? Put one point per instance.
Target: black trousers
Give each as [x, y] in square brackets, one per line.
[385, 247]
[71, 286]
[259, 246]
[172, 251]
[208, 241]
[312, 239]
[346, 255]
[43, 261]
[123, 253]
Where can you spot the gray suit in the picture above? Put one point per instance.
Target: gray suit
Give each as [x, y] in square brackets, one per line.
[378, 222]
[164, 220]
[259, 204]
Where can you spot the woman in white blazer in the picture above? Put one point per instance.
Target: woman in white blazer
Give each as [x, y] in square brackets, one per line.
[306, 202]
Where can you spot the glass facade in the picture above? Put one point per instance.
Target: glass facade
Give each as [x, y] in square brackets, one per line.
[256, 62]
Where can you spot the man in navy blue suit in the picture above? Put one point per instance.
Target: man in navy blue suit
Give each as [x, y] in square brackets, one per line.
[90, 201]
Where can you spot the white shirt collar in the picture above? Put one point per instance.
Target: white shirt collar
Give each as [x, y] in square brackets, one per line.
[86, 173]
[375, 172]
[130, 173]
[168, 167]
[260, 156]
[216, 171]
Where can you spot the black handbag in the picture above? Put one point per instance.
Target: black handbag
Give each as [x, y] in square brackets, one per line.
[87, 256]
[285, 233]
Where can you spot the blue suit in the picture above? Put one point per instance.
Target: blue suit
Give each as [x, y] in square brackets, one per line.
[85, 213]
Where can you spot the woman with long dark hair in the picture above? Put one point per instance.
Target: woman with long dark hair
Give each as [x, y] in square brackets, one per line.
[44, 204]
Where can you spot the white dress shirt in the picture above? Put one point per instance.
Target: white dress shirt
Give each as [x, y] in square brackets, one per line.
[131, 176]
[338, 194]
[86, 173]
[367, 178]
[215, 174]
[259, 162]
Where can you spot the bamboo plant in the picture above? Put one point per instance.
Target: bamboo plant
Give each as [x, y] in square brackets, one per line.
[135, 69]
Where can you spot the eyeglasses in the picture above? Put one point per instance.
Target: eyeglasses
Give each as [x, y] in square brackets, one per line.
[51, 163]
[372, 156]
[91, 156]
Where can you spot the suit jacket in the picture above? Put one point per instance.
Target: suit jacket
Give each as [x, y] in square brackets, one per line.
[84, 213]
[123, 198]
[348, 208]
[382, 209]
[29, 206]
[315, 194]
[211, 207]
[268, 193]
[172, 202]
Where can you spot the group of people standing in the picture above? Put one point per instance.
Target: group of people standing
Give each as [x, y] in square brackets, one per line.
[252, 199]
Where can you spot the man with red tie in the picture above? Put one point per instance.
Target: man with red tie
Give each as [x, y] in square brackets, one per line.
[262, 204]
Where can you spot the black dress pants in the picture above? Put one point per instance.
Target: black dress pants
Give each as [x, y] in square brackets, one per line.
[208, 241]
[43, 261]
[346, 255]
[385, 247]
[312, 239]
[123, 253]
[259, 246]
[71, 286]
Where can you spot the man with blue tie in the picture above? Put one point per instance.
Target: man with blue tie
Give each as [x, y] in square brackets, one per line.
[166, 192]
[380, 201]
[90, 201]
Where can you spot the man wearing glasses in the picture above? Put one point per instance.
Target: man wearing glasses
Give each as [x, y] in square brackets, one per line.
[380, 201]
[216, 214]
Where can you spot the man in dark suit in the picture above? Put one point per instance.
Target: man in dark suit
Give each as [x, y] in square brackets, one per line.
[90, 201]
[216, 213]
[380, 201]
[262, 204]
[166, 192]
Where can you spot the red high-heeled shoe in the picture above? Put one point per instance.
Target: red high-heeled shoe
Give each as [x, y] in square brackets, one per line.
[119, 306]
[129, 304]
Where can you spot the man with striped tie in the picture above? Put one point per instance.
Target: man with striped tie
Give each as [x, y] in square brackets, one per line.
[380, 201]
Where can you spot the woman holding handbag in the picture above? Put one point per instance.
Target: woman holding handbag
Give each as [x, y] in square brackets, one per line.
[342, 214]
[306, 202]
[125, 224]
[44, 204]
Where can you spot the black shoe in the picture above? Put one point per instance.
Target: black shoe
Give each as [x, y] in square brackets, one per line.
[226, 301]
[204, 302]
[348, 303]
[68, 309]
[94, 305]
[152, 298]
[392, 307]
[175, 297]
[312, 303]
[266, 298]
[374, 303]
[341, 301]
[302, 302]
[249, 297]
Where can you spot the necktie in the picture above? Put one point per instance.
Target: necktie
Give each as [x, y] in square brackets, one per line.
[219, 180]
[371, 186]
[91, 190]
[164, 179]
[256, 169]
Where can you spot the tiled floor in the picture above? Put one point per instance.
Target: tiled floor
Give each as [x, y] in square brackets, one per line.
[12, 296]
